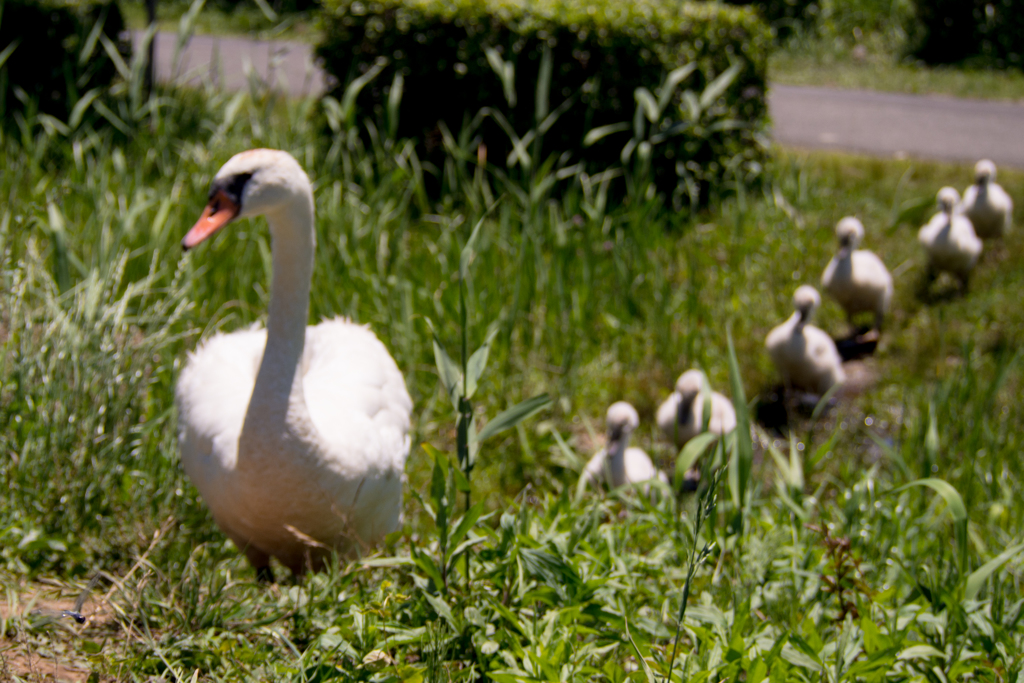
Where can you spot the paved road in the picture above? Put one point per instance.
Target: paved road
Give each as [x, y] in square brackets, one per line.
[229, 62]
[892, 124]
[884, 124]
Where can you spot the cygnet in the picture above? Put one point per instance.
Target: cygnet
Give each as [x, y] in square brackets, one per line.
[856, 278]
[950, 240]
[986, 204]
[805, 356]
[681, 416]
[619, 464]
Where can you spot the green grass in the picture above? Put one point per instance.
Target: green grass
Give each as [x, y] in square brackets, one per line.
[244, 19]
[882, 71]
[824, 569]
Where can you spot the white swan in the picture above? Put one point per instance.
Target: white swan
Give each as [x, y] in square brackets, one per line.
[857, 278]
[295, 436]
[619, 464]
[950, 240]
[986, 204]
[805, 356]
[681, 416]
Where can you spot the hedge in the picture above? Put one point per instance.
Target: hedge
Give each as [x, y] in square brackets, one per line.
[57, 56]
[981, 32]
[601, 51]
[784, 16]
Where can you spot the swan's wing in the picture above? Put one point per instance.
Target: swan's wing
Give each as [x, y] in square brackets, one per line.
[639, 466]
[668, 414]
[723, 415]
[212, 396]
[355, 394]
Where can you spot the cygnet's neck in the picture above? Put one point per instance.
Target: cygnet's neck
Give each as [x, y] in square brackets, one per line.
[277, 409]
[686, 408]
[617, 458]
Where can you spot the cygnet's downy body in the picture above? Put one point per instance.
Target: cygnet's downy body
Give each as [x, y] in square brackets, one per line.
[856, 278]
[986, 204]
[618, 464]
[681, 416]
[949, 239]
[805, 356]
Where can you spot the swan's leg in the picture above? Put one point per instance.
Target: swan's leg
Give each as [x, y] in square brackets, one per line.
[265, 575]
[261, 563]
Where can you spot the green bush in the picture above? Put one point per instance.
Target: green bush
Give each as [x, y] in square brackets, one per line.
[458, 57]
[784, 16]
[980, 32]
[58, 52]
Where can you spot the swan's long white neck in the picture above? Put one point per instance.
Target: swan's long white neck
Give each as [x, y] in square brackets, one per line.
[277, 415]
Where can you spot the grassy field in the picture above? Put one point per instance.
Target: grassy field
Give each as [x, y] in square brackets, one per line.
[882, 71]
[818, 555]
[243, 19]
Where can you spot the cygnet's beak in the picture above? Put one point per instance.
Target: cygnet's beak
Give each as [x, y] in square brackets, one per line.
[220, 211]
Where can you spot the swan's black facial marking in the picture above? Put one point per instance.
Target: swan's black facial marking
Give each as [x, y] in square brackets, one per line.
[232, 187]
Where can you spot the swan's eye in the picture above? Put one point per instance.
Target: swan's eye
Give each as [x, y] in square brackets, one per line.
[231, 186]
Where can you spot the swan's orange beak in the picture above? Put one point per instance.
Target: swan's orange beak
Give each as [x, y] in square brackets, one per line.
[218, 213]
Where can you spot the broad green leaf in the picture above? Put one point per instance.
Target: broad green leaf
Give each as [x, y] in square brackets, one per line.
[646, 101]
[551, 569]
[505, 72]
[692, 105]
[693, 449]
[543, 84]
[352, 90]
[513, 416]
[601, 132]
[931, 439]
[978, 577]
[639, 655]
[442, 609]
[478, 362]
[7, 51]
[267, 10]
[467, 523]
[428, 567]
[115, 57]
[509, 616]
[718, 86]
[920, 652]
[395, 102]
[675, 77]
[447, 370]
[80, 107]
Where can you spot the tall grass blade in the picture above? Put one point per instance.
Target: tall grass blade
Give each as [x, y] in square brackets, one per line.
[742, 458]
[979, 576]
[955, 504]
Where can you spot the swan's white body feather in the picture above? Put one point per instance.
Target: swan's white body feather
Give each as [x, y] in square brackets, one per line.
[951, 243]
[619, 464]
[859, 282]
[805, 355]
[989, 209]
[635, 467]
[349, 493]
